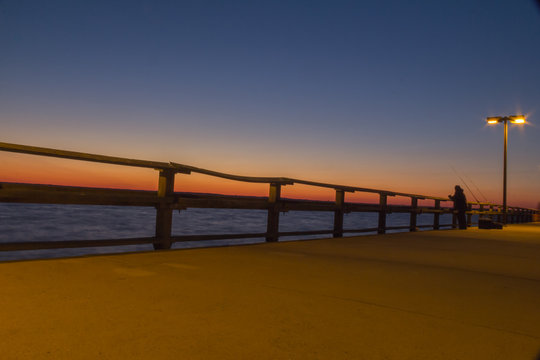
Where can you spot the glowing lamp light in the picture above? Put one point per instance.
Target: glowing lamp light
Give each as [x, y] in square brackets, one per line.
[514, 119]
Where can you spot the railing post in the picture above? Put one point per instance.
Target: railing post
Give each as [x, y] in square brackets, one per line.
[338, 213]
[437, 215]
[414, 208]
[164, 209]
[272, 228]
[382, 213]
[480, 211]
[469, 215]
[510, 215]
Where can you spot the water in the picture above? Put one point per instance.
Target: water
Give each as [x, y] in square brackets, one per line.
[37, 222]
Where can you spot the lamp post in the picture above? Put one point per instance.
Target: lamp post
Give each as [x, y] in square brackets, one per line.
[515, 119]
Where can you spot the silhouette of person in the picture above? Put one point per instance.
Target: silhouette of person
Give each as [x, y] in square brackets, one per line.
[460, 206]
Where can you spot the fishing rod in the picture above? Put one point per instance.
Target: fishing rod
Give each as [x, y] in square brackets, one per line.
[472, 182]
[464, 183]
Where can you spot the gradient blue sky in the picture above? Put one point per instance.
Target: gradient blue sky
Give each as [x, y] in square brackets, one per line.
[384, 94]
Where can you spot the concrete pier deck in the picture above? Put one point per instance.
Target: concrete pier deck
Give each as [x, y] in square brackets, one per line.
[471, 294]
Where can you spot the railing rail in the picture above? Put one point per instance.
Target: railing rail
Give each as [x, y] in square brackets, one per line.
[165, 200]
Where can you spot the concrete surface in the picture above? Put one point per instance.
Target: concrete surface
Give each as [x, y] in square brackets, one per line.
[471, 294]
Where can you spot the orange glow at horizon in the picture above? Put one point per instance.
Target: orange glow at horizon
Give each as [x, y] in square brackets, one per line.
[198, 183]
[53, 171]
[23, 168]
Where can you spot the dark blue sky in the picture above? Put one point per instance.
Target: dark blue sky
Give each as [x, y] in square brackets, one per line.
[386, 93]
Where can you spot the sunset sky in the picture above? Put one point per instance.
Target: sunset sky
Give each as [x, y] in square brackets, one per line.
[383, 94]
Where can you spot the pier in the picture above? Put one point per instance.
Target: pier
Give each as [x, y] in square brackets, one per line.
[440, 294]
[269, 180]
[414, 295]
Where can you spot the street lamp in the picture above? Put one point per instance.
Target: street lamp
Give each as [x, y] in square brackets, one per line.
[515, 119]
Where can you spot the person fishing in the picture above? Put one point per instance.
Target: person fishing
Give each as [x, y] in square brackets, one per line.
[460, 206]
